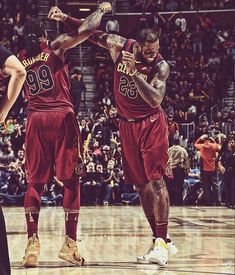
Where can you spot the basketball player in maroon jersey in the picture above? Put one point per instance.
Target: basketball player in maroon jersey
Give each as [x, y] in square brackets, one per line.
[140, 75]
[52, 134]
[11, 67]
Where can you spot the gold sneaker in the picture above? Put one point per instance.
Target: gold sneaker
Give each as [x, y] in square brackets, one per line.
[69, 252]
[32, 252]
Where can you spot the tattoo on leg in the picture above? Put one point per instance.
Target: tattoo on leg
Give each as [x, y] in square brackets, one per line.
[161, 199]
[146, 199]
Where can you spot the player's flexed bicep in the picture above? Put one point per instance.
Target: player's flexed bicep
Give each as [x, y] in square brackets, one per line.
[159, 81]
[70, 40]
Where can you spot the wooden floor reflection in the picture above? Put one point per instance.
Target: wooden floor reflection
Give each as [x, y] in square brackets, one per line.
[112, 237]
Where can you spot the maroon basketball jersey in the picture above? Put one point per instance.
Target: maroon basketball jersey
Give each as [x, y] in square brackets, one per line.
[129, 103]
[47, 85]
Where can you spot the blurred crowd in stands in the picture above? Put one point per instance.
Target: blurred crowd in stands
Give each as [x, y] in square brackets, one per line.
[201, 164]
[180, 5]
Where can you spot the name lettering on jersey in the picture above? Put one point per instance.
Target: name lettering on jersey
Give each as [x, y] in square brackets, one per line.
[41, 57]
[122, 68]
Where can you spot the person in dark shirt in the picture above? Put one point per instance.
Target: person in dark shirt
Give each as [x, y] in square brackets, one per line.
[226, 165]
[91, 185]
[77, 88]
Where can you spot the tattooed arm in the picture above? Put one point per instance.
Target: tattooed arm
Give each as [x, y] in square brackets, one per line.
[112, 42]
[154, 92]
[69, 40]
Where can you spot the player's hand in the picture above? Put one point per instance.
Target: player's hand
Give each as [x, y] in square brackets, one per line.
[3, 116]
[105, 7]
[128, 59]
[56, 14]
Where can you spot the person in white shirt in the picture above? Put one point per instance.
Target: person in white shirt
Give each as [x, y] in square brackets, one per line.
[181, 22]
[112, 26]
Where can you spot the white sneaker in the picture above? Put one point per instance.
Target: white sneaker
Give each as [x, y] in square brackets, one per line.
[32, 252]
[159, 255]
[172, 249]
[144, 259]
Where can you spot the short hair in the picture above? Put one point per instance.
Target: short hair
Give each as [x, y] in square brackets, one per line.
[147, 35]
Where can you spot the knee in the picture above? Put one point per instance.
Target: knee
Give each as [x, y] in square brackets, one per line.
[32, 200]
[158, 185]
[143, 188]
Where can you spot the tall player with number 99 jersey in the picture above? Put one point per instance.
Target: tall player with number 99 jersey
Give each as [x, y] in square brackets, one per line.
[52, 136]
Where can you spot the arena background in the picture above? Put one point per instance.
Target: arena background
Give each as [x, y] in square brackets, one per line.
[200, 97]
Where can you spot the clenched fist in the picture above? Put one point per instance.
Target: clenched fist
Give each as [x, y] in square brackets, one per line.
[105, 7]
[56, 14]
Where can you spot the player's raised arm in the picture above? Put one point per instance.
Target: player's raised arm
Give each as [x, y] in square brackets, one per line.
[112, 42]
[13, 67]
[69, 40]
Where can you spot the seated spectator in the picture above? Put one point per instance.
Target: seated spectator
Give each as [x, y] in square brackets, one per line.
[111, 184]
[192, 187]
[91, 187]
[53, 195]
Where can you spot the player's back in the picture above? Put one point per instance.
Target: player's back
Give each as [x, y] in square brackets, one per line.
[47, 85]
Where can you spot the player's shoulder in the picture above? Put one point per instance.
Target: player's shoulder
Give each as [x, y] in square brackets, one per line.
[163, 69]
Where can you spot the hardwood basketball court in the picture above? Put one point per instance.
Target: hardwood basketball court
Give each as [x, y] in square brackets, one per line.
[112, 237]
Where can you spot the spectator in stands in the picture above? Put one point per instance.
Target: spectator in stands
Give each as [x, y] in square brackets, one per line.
[84, 129]
[142, 21]
[53, 195]
[91, 187]
[155, 22]
[179, 164]
[226, 166]
[181, 22]
[77, 89]
[213, 62]
[112, 25]
[173, 128]
[208, 149]
[197, 37]
[192, 187]
[111, 184]
[101, 131]
[97, 154]
[18, 28]
[6, 154]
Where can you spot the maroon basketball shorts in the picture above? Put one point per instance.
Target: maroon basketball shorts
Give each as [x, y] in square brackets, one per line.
[144, 148]
[51, 146]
